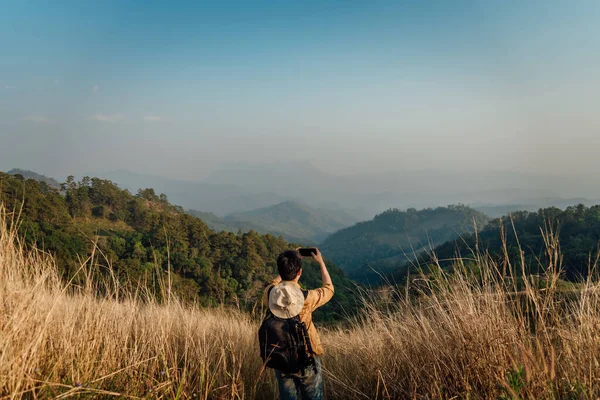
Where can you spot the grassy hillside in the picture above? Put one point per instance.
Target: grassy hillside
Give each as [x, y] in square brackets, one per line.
[461, 336]
[293, 221]
[395, 236]
[142, 237]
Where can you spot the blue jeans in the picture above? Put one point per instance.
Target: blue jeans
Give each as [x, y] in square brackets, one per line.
[308, 384]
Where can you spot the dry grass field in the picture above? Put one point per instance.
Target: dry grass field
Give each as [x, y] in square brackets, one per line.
[475, 333]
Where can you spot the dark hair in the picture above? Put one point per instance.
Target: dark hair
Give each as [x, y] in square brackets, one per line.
[289, 263]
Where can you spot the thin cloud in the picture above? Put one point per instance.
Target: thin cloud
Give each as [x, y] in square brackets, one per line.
[40, 119]
[153, 118]
[95, 88]
[108, 118]
[8, 87]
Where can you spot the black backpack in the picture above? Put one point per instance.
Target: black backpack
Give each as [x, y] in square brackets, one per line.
[284, 343]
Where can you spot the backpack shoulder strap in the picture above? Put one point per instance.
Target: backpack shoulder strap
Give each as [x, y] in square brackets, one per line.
[269, 313]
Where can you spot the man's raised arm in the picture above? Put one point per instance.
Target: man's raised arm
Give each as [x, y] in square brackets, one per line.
[324, 293]
[325, 278]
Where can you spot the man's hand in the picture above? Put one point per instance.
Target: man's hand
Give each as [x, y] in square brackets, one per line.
[317, 256]
[324, 273]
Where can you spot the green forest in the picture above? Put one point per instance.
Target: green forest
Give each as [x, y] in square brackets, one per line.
[375, 247]
[578, 229]
[140, 237]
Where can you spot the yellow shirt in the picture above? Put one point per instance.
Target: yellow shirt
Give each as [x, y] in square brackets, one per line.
[315, 299]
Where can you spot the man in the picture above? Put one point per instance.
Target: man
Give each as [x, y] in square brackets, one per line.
[309, 383]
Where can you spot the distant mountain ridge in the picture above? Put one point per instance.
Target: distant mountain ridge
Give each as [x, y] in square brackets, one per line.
[220, 199]
[243, 187]
[294, 221]
[395, 236]
[27, 174]
[533, 205]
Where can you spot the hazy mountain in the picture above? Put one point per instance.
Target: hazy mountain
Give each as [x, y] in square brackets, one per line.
[34, 175]
[394, 236]
[294, 221]
[213, 221]
[243, 187]
[220, 199]
[499, 210]
[291, 178]
[378, 191]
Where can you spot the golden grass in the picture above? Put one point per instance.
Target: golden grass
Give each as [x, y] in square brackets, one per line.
[468, 334]
[58, 341]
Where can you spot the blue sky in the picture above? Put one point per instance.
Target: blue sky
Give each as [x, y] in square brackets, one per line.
[177, 88]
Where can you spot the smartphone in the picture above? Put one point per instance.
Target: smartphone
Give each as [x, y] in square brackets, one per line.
[307, 252]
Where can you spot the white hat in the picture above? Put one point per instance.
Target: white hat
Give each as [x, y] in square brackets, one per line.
[286, 300]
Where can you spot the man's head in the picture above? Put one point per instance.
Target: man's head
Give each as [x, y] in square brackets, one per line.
[289, 264]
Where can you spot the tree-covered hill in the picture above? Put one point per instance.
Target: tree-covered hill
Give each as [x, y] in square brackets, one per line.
[142, 236]
[578, 230]
[396, 236]
[294, 221]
